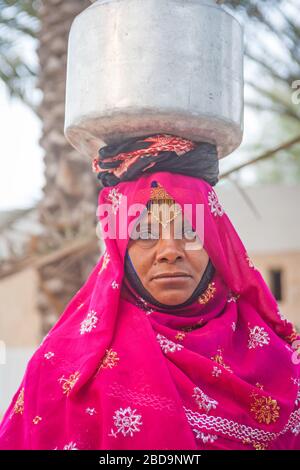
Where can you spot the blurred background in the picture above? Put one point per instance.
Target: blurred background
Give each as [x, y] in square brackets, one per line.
[48, 193]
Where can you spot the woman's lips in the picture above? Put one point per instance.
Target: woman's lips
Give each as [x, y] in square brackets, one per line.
[171, 274]
[171, 278]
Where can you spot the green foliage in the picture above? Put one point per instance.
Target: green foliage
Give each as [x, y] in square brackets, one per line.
[19, 25]
[272, 48]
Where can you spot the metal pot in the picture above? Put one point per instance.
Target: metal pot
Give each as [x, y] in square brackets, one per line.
[138, 67]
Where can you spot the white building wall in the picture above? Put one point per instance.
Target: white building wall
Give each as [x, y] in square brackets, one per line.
[19, 330]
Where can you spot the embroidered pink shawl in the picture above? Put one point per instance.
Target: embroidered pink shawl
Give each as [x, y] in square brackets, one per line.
[112, 374]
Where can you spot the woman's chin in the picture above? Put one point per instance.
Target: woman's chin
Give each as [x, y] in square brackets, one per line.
[171, 299]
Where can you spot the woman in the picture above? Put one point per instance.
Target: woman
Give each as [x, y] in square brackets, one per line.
[175, 340]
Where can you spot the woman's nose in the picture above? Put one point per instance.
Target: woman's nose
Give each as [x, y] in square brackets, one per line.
[169, 249]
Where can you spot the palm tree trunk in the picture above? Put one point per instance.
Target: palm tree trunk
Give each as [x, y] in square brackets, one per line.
[68, 208]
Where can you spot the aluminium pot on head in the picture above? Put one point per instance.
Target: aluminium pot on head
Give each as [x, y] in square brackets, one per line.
[139, 67]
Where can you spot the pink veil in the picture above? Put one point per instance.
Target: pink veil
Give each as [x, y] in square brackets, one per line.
[114, 375]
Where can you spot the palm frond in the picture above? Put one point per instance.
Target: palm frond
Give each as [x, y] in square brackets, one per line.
[18, 21]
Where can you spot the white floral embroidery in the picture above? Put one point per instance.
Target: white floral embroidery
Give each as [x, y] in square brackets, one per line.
[71, 446]
[257, 337]
[205, 438]
[296, 429]
[250, 263]
[216, 371]
[144, 305]
[89, 322]
[236, 430]
[90, 411]
[204, 401]
[232, 297]
[126, 421]
[37, 419]
[282, 317]
[143, 397]
[168, 345]
[48, 355]
[296, 381]
[215, 206]
[114, 285]
[233, 326]
[115, 197]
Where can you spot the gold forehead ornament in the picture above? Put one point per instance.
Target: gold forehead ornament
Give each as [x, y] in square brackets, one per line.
[161, 205]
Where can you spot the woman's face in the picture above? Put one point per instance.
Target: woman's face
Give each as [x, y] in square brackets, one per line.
[169, 265]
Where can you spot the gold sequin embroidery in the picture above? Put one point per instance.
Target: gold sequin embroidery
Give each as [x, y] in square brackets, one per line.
[109, 360]
[218, 358]
[259, 446]
[68, 384]
[180, 335]
[208, 294]
[19, 405]
[265, 409]
[105, 262]
[256, 445]
[36, 420]
[188, 329]
[293, 336]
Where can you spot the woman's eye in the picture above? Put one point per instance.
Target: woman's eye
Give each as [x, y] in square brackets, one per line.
[148, 235]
